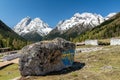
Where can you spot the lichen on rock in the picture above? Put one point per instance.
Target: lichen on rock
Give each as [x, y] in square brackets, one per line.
[46, 56]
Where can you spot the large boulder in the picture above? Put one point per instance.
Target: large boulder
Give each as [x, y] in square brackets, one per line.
[46, 56]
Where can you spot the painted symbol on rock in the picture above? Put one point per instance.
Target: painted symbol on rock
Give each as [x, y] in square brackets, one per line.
[68, 57]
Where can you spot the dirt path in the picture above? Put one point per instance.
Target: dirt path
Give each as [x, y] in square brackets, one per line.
[3, 64]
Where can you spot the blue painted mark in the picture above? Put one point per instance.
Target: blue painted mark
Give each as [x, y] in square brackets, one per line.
[68, 57]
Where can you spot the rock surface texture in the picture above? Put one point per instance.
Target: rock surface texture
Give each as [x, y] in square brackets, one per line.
[46, 56]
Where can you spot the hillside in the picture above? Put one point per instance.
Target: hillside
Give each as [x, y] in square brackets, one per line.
[8, 38]
[70, 34]
[75, 31]
[108, 29]
[32, 36]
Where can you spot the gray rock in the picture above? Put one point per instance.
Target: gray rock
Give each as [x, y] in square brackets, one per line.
[10, 57]
[107, 67]
[46, 56]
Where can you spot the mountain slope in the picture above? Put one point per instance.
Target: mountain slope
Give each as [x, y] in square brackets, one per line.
[8, 38]
[110, 15]
[21, 25]
[109, 28]
[27, 26]
[84, 18]
[33, 36]
[75, 31]
[75, 25]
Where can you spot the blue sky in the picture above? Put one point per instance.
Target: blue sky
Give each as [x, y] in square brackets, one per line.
[52, 11]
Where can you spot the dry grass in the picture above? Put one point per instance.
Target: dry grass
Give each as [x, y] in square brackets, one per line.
[104, 42]
[99, 65]
[9, 72]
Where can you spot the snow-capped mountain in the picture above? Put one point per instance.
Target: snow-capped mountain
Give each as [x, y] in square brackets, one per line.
[84, 18]
[21, 25]
[76, 25]
[27, 25]
[110, 15]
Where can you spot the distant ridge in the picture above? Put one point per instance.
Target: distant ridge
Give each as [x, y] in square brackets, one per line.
[37, 30]
[108, 29]
[79, 23]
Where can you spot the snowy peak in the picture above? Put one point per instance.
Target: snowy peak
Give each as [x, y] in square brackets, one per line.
[110, 15]
[25, 21]
[77, 15]
[39, 22]
[27, 25]
[84, 18]
[22, 24]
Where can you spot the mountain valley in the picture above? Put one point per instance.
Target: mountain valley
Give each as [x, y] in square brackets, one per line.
[37, 30]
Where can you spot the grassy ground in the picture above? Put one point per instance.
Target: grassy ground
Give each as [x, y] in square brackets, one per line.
[99, 65]
[9, 72]
[86, 46]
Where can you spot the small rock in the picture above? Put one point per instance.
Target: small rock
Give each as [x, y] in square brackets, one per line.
[107, 67]
[85, 76]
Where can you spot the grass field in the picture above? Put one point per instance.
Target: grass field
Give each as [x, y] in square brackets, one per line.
[9, 72]
[98, 65]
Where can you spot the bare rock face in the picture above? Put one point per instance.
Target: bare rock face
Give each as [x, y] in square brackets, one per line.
[46, 56]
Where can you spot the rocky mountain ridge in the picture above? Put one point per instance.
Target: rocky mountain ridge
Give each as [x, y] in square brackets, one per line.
[75, 25]
[27, 25]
